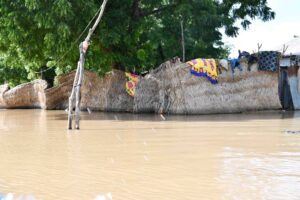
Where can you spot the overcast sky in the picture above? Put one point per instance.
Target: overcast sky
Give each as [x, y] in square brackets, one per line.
[270, 34]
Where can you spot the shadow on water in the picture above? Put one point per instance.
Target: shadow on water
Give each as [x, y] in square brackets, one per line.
[260, 115]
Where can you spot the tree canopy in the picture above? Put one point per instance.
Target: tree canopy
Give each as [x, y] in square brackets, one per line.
[134, 35]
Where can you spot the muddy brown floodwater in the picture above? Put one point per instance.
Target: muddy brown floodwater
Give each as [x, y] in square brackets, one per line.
[147, 157]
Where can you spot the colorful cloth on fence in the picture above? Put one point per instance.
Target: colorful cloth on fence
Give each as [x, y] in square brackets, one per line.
[268, 60]
[205, 67]
[131, 83]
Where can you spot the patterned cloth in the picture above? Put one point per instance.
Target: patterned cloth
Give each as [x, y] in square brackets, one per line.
[131, 83]
[205, 67]
[268, 60]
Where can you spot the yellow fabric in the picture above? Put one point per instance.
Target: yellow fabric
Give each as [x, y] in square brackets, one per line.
[131, 83]
[204, 67]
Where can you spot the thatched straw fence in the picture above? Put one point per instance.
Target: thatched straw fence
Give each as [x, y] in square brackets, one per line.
[28, 95]
[171, 89]
[99, 94]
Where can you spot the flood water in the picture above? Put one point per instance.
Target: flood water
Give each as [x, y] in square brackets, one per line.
[147, 157]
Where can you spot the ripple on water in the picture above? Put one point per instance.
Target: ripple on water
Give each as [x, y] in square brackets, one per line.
[123, 156]
[260, 176]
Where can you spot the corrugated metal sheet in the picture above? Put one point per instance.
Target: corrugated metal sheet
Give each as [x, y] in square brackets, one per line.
[285, 62]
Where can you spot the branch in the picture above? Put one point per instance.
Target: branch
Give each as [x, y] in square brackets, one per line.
[135, 8]
[80, 73]
[182, 41]
[91, 31]
[157, 10]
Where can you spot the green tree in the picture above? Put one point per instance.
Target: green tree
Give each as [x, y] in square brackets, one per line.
[134, 34]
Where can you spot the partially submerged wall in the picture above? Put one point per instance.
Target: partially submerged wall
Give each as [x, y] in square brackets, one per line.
[101, 94]
[171, 88]
[28, 95]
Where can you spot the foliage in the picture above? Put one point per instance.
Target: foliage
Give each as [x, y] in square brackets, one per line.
[134, 34]
[12, 75]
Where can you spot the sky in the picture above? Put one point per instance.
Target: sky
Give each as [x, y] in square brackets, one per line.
[270, 34]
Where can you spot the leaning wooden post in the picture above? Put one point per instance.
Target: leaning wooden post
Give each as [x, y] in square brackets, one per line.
[83, 47]
[72, 97]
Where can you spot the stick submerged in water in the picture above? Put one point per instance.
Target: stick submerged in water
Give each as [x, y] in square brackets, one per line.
[75, 94]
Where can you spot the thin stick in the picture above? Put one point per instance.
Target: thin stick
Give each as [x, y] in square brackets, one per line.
[87, 39]
[76, 93]
[182, 42]
[259, 47]
[284, 49]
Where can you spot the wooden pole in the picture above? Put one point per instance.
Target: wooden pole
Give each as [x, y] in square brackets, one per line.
[71, 98]
[182, 42]
[76, 93]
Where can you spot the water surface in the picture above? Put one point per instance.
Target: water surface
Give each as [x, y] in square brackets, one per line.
[146, 157]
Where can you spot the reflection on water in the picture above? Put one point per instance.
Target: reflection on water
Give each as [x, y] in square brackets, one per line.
[125, 156]
[150, 117]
